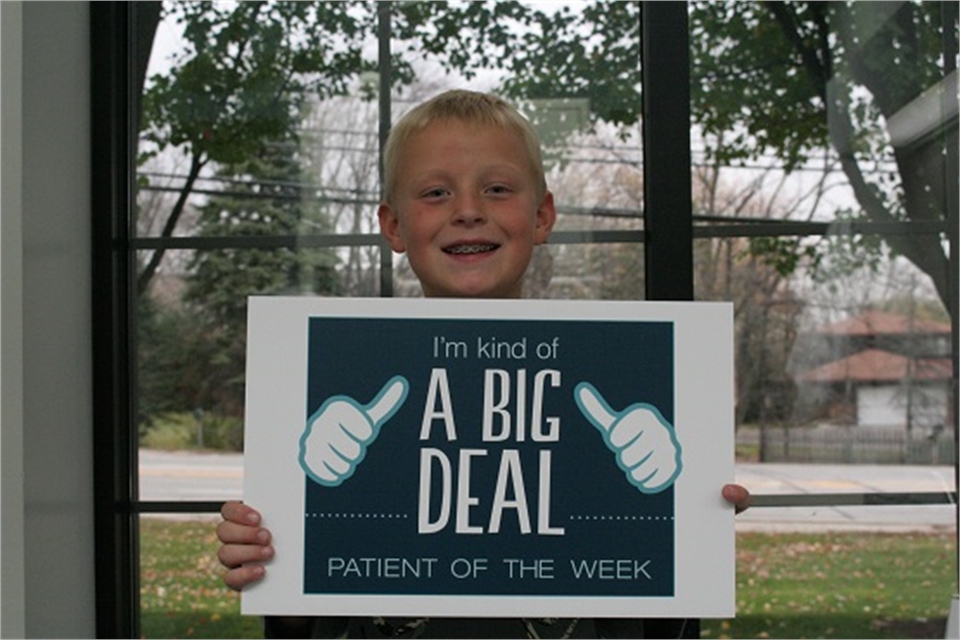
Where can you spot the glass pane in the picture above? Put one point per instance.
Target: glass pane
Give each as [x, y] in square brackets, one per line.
[180, 595]
[852, 99]
[264, 179]
[821, 214]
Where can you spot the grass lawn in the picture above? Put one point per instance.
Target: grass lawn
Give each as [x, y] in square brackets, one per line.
[841, 585]
[181, 593]
[827, 585]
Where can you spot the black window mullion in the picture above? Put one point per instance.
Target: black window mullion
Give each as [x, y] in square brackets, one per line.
[385, 64]
[667, 207]
[115, 477]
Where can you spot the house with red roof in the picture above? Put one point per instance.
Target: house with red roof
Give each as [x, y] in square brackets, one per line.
[879, 369]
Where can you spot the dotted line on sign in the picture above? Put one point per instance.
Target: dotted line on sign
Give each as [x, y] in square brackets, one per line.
[357, 516]
[623, 518]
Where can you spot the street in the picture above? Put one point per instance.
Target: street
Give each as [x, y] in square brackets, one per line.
[188, 476]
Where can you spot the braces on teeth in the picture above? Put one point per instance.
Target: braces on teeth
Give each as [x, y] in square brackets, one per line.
[471, 248]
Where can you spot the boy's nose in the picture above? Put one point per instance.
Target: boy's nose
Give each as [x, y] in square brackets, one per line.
[468, 210]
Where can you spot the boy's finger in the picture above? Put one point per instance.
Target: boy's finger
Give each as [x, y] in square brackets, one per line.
[235, 511]
[238, 578]
[232, 533]
[233, 556]
[738, 496]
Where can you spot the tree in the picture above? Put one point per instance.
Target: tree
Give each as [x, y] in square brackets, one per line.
[242, 81]
[268, 195]
[172, 375]
[783, 78]
[340, 143]
[792, 78]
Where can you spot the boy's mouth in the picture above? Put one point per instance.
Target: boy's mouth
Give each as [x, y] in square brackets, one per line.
[470, 248]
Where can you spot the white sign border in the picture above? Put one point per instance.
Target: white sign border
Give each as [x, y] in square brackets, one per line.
[705, 538]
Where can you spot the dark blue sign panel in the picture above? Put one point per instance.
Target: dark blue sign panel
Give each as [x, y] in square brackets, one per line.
[468, 457]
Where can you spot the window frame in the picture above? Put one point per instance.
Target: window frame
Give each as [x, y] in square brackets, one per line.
[112, 28]
[668, 237]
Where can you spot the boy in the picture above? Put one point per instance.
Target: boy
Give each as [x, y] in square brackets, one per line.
[467, 201]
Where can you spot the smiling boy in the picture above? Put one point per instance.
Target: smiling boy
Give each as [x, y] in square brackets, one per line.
[467, 201]
[466, 197]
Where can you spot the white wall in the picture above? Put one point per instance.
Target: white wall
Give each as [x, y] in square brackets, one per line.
[12, 584]
[51, 214]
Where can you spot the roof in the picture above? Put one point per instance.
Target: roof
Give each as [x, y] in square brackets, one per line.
[875, 365]
[879, 323]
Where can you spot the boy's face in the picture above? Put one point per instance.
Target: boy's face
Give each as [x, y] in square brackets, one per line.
[467, 210]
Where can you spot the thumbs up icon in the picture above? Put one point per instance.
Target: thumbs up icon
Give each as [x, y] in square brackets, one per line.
[645, 444]
[336, 437]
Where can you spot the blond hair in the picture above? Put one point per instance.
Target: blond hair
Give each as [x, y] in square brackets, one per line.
[472, 107]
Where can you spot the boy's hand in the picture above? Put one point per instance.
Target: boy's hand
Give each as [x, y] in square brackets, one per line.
[338, 434]
[645, 444]
[244, 545]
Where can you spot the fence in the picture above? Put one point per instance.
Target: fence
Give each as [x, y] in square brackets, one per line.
[854, 445]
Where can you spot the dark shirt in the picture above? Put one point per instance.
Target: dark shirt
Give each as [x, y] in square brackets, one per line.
[344, 627]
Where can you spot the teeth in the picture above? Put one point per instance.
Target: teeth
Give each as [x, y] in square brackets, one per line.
[471, 248]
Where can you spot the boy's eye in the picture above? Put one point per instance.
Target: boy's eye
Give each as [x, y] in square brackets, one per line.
[498, 189]
[436, 192]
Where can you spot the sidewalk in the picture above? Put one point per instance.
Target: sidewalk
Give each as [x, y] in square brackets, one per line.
[192, 476]
[805, 479]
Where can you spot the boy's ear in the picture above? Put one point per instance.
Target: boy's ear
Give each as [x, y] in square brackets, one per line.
[546, 218]
[390, 227]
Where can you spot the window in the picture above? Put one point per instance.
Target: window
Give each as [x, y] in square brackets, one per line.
[833, 230]
[243, 141]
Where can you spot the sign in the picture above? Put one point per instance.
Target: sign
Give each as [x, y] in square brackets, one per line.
[431, 457]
